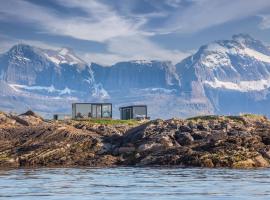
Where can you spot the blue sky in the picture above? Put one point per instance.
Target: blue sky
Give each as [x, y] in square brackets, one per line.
[108, 31]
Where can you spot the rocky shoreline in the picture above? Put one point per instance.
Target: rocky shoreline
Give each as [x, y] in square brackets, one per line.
[210, 141]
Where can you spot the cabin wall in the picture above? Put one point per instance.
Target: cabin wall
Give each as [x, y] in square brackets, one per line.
[91, 110]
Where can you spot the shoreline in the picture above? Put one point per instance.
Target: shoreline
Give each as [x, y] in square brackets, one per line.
[241, 142]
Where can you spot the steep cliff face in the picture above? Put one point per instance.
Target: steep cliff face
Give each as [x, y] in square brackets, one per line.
[154, 83]
[137, 74]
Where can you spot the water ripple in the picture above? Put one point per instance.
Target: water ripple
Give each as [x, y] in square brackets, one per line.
[134, 183]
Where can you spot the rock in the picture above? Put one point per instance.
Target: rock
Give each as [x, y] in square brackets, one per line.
[184, 138]
[245, 164]
[150, 147]
[266, 139]
[207, 163]
[28, 141]
[30, 113]
[191, 125]
[199, 135]
[185, 129]
[260, 161]
[266, 153]
[217, 136]
[123, 150]
[202, 127]
[166, 141]
[3, 117]
[20, 120]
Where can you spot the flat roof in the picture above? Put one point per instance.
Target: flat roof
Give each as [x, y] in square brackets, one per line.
[131, 106]
[92, 103]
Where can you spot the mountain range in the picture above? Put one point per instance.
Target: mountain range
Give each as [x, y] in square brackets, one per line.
[222, 77]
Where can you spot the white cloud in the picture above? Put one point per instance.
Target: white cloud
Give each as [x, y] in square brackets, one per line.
[265, 23]
[135, 48]
[203, 14]
[105, 59]
[125, 36]
[7, 42]
[102, 23]
[173, 3]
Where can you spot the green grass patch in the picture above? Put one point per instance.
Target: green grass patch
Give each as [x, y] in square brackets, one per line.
[108, 121]
[238, 119]
[204, 117]
[253, 116]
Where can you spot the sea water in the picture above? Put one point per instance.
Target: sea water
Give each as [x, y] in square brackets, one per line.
[134, 183]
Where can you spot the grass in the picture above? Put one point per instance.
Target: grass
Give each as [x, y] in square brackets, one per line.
[204, 117]
[236, 118]
[253, 116]
[109, 121]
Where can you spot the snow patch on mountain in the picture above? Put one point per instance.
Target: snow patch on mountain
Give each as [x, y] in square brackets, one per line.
[242, 86]
[141, 62]
[160, 90]
[64, 56]
[218, 54]
[20, 58]
[100, 92]
[257, 55]
[50, 89]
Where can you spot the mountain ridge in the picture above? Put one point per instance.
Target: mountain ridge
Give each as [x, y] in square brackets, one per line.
[202, 83]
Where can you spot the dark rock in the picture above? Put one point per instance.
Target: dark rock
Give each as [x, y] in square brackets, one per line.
[266, 139]
[184, 138]
[202, 127]
[185, 129]
[199, 135]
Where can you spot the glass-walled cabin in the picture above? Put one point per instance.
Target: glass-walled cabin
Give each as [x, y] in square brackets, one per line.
[91, 110]
[133, 112]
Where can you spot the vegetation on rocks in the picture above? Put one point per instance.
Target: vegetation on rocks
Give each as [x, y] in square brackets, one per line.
[243, 141]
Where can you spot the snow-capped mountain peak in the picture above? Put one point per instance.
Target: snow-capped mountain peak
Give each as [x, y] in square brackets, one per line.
[64, 56]
[221, 53]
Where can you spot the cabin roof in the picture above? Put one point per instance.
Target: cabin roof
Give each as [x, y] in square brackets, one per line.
[131, 106]
[92, 103]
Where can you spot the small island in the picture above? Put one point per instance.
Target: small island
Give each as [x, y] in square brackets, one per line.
[27, 140]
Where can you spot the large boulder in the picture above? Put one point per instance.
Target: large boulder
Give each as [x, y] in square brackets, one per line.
[184, 138]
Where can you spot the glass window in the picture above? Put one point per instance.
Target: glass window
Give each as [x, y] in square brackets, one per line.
[126, 113]
[98, 111]
[106, 111]
[94, 111]
[82, 110]
[139, 112]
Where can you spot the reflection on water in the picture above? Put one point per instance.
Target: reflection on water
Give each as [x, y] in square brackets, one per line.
[134, 183]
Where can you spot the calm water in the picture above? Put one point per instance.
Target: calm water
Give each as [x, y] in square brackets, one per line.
[134, 183]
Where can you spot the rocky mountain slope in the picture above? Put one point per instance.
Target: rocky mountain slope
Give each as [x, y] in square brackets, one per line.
[233, 74]
[45, 80]
[154, 83]
[223, 77]
[211, 141]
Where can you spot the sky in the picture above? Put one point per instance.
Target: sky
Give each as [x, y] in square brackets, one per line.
[109, 31]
